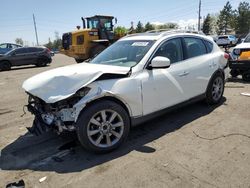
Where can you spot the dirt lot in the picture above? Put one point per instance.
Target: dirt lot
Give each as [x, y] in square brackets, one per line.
[196, 146]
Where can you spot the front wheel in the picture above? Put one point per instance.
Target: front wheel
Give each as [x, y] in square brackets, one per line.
[234, 73]
[215, 89]
[79, 60]
[5, 66]
[103, 126]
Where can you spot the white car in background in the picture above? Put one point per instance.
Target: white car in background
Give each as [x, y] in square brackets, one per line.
[226, 40]
[137, 78]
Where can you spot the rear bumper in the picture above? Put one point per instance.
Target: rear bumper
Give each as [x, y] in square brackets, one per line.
[50, 60]
[240, 65]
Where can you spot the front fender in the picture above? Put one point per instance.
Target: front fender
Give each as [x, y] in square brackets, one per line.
[95, 94]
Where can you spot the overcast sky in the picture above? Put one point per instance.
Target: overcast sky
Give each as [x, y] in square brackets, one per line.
[63, 16]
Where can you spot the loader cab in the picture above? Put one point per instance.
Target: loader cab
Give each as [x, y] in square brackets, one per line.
[104, 25]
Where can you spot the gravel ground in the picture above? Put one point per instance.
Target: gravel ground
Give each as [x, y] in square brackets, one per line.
[195, 146]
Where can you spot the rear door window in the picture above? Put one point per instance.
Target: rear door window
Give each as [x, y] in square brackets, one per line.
[195, 47]
[21, 51]
[13, 46]
[209, 46]
[32, 50]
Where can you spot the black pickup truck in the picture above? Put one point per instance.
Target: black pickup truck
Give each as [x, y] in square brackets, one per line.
[239, 61]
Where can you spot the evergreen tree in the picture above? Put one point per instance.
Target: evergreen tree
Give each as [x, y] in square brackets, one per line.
[207, 25]
[49, 44]
[139, 27]
[225, 19]
[149, 27]
[243, 18]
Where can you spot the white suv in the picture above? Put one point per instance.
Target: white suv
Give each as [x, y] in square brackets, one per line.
[226, 40]
[135, 79]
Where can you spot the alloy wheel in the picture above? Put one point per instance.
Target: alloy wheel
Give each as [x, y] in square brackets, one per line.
[217, 88]
[105, 128]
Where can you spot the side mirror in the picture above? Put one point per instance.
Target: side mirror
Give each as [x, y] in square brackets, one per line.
[160, 62]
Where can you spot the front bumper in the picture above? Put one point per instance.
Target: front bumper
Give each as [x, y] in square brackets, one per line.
[38, 126]
[49, 118]
[239, 64]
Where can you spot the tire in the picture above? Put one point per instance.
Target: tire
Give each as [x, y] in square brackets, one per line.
[215, 89]
[234, 73]
[42, 62]
[96, 50]
[5, 66]
[246, 76]
[103, 126]
[79, 60]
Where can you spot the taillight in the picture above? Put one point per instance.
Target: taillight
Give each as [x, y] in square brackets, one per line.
[226, 55]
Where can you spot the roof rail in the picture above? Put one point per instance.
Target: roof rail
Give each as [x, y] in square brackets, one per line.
[169, 31]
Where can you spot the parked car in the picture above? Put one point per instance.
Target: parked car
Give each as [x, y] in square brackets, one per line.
[5, 47]
[135, 79]
[240, 59]
[39, 56]
[226, 40]
[52, 53]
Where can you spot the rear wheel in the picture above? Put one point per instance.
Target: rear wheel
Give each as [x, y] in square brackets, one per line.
[41, 62]
[103, 126]
[215, 89]
[5, 66]
[246, 76]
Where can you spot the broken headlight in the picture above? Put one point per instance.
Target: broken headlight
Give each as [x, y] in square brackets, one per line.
[82, 92]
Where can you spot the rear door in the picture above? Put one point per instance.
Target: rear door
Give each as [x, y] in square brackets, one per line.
[201, 64]
[32, 55]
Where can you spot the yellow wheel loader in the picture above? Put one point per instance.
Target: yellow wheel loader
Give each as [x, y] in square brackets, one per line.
[96, 35]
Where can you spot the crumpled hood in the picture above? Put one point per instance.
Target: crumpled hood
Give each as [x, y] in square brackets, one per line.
[60, 83]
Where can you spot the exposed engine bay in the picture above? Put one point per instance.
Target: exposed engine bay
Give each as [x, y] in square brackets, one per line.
[59, 116]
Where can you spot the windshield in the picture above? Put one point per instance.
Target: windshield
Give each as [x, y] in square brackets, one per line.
[104, 22]
[124, 53]
[247, 38]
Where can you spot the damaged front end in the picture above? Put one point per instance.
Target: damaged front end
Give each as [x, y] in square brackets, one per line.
[57, 117]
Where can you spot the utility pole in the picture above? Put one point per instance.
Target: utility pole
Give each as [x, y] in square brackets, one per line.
[34, 20]
[199, 16]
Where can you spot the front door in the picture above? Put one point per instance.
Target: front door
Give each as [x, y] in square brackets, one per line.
[19, 57]
[165, 87]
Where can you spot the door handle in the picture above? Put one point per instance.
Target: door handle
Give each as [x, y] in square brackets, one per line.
[185, 73]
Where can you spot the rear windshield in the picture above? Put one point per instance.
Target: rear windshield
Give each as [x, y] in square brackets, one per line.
[223, 37]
